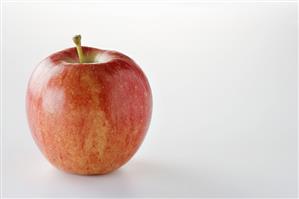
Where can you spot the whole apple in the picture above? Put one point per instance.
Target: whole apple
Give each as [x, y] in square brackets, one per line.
[88, 109]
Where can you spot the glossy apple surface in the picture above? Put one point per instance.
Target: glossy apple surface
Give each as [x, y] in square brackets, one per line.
[88, 118]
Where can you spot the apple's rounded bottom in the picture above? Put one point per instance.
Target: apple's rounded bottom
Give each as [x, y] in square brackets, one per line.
[87, 173]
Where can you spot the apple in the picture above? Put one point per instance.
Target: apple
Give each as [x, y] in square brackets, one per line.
[88, 109]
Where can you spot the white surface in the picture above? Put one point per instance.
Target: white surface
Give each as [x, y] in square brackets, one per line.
[225, 101]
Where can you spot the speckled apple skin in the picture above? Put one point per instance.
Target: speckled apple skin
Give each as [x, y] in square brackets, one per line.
[88, 118]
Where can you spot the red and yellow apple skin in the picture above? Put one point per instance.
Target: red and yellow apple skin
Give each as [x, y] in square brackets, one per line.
[88, 118]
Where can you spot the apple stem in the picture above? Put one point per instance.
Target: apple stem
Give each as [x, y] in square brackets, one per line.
[77, 41]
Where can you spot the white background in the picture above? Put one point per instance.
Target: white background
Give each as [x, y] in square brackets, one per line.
[223, 78]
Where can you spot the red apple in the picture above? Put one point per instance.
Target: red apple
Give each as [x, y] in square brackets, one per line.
[88, 109]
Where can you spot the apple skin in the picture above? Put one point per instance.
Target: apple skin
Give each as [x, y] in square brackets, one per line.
[88, 118]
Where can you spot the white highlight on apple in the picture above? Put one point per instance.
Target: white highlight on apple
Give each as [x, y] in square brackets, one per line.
[53, 100]
[42, 75]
